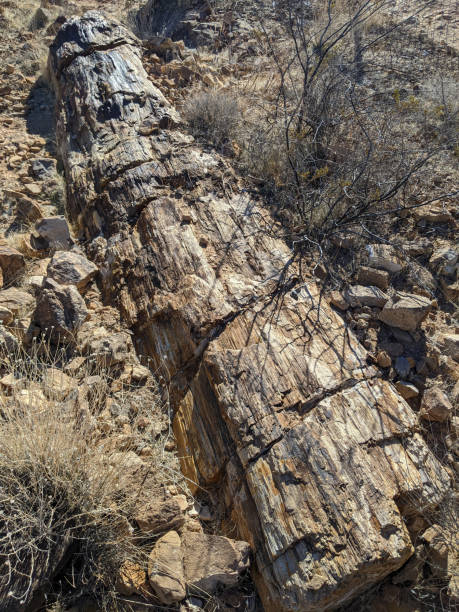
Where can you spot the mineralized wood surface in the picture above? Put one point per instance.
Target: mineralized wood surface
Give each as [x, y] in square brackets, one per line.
[315, 460]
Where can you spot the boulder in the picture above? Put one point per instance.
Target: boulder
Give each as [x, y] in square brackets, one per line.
[71, 268]
[358, 295]
[53, 233]
[435, 405]
[165, 569]
[11, 262]
[211, 560]
[384, 256]
[60, 310]
[373, 277]
[405, 311]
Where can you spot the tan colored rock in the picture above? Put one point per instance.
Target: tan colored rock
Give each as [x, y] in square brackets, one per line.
[71, 268]
[18, 302]
[337, 300]
[165, 569]
[405, 311]
[6, 316]
[373, 277]
[159, 516]
[450, 345]
[274, 404]
[384, 360]
[132, 580]
[407, 390]
[211, 560]
[435, 405]
[58, 385]
[11, 262]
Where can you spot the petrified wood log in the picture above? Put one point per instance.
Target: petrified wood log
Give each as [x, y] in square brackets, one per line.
[315, 460]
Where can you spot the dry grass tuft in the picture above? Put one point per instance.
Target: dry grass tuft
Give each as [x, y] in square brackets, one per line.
[65, 503]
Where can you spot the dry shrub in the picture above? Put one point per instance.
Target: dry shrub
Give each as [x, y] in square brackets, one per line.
[213, 115]
[64, 505]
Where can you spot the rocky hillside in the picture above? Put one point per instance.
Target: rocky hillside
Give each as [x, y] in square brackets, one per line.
[254, 431]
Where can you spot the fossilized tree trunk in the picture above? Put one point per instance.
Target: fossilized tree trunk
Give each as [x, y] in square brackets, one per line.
[314, 459]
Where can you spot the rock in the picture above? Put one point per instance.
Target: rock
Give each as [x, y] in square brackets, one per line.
[60, 310]
[105, 348]
[435, 405]
[132, 580]
[6, 316]
[384, 256]
[433, 213]
[373, 277]
[32, 189]
[337, 300]
[407, 390]
[58, 385]
[43, 168]
[8, 342]
[16, 301]
[450, 345]
[41, 18]
[71, 268]
[165, 569]
[160, 516]
[268, 396]
[54, 233]
[402, 367]
[27, 210]
[383, 359]
[11, 262]
[358, 295]
[445, 260]
[211, 560]
[405, 311]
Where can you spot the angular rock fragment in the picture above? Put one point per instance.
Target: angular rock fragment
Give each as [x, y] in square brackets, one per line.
[60, 310]
[373, 277]
[71, 268]
[385, 257]
[405, 311]
[159, 516]
[435, 405]
[53, 233]
[11, 262]
[358, 295]
[16, 301]
[165, 569]
[210, 560]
